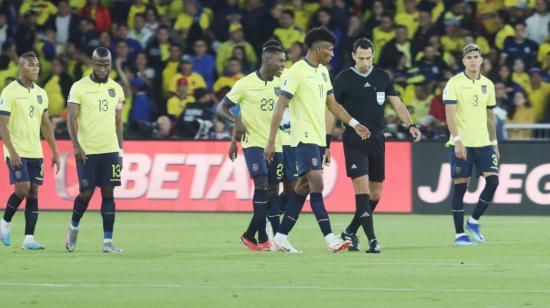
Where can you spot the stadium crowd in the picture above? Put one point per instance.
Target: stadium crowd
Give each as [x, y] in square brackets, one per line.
[177, 59]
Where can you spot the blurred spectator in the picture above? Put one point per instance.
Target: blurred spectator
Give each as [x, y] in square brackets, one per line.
[382, 34]
[236, 38]
[287, 32]
[196, 120]
[519, 47]
[425, 30]
[9, 67]
[409, 18]
[163, 128]
[339, 16]
[521, 113]
[538, 94]
[97, 12]
[137, 7]
[4, 28]
[546, 73]
[139, 32]
[506, 30]
[143, 70]
[324, 18]
[26, 33]
[224, 15]
[296, 53]
[375, 18]
[185, 70]
[437, 107]
[134, 46]
[239, 53]
[355, 31]
[537, 24]
[64, 22]
[86, 38]
[58, 85]
[258, 25]
[519, 75]
[105, 40]
[142, 107]
[501, 109]
[544, 49]
[42, 8]
[192, 21]
[176, 104]
[301, 14]
[400, 43]
[224, 83]
[220, 131]
[203, 63]
[151, 19]
[431, 65]
[158, 47]
[170, 69]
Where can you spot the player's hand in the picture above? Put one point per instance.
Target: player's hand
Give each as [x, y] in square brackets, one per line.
[56, 162]
[269, 151]
[495, 148]
[460, 150]
[15, 160]
[240, 128]
[415, 133]
[233, 150]
[327, 157]
[79, 154]
[362, 131]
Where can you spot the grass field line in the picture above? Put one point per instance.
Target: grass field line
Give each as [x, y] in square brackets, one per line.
[269, 287]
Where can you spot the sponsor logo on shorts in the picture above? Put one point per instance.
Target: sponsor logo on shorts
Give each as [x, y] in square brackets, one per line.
[18, 174]
[458, 169]
[255, 167]
[353, 166]
[85, 182]
[315, 162]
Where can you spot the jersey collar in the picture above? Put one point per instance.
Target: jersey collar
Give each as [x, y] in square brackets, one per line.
[361, 74]
[478, 78]
[309, 63]
[23, 85]
[92, 78]
[260, 77]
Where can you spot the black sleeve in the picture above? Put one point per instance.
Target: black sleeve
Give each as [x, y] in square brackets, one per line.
[390, 89]
[338, 86]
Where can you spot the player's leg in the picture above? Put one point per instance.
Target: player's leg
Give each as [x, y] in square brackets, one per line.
[375, 193]
[460, 171]
[108, 217]
[487, 165]
[292, 212]
[289, 183]
[376, 175]
[20, 178]
[36, 175]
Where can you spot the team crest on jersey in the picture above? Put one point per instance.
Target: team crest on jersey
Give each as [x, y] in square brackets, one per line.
[112, 92]
[39, 99]
[484, 89]
[277, 91]
[324, 77]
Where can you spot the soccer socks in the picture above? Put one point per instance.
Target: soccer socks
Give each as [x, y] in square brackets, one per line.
[318, 208]
[293, 208]
[11, 207]
[274, 212]
[108, 215]
[458, 206]
[363, 211]
[31, 215]
[491, 184]
[79, 207]
[260, 213]
[356, 221]
[373, 204]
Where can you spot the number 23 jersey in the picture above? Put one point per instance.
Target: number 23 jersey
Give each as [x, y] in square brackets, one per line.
[96, 119]
[257, 99]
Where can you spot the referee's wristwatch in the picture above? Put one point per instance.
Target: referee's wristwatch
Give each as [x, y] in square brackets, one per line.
[412, 125]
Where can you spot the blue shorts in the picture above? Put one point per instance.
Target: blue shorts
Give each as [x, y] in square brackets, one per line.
[31, 170]
[309, 157]
[484, 159]
[257, 165]
[289, 161]
[99, 170]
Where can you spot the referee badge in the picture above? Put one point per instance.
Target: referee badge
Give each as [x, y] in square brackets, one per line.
[39, 99]
[324, 77]
[112, 92]
[380, 98]
[484, 89]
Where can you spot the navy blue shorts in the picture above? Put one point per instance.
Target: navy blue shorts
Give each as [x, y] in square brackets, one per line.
[257, 165]
[309, 157]
[289, 161]
[99, 170]
[31, 170]
[484, 159]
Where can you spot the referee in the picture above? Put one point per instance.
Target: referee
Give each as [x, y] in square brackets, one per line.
[362, 91]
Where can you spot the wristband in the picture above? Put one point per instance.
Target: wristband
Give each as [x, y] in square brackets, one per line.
[494, 142]
[329, 138]
[456, 138]
[120, 153]
[412, 125]
[353, 123]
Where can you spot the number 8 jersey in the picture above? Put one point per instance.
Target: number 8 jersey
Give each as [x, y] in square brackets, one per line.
[257, 99]
[96, 119]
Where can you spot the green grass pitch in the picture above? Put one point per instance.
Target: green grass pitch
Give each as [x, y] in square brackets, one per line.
[196, 260]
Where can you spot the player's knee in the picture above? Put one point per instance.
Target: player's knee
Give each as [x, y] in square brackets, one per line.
[261, 182]
[316, 184]
[272, 192]
[107, 192]
[22, 191]
[86, 195]
[491, 184]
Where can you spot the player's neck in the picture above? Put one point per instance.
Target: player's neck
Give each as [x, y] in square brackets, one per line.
[94, 78]
[474, 75]
[26, 83]
[264, 75]
[312, 59]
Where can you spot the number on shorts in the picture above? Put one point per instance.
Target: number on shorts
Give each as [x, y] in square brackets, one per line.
[495, 160]
[116, 171]
[41, 170]
[280, 171]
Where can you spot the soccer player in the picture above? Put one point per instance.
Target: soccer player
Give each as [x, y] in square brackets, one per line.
[362, 90]
[256, 94]
[307, 89]
[23, 115]
[95, 127]
[469, 100]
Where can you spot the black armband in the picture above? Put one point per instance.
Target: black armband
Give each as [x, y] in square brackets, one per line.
[329, 138]
[412, 125]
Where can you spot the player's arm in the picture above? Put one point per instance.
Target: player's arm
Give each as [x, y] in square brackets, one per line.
[330, 122]
[5, 135]
[450, 115]
[72, 125]
[282, 104]
[405, 116]
[47, 131]
[119, 128]
[341, 114]
[492, 128]
[224, 107]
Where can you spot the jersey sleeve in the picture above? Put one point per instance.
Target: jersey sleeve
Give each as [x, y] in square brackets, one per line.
[390, 89]
[328, 83]
[492, 102]
[290, 83]
[46, 101]
[6, 103]
[449, 93]
[74, 95]
[235, 95]
[121, 97]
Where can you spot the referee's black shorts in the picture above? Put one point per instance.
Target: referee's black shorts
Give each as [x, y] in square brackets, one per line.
[365, 157]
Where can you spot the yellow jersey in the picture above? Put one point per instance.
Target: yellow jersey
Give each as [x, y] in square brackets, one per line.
[96, 119]
[175, 105]
[194, 81]
[257, 99]
[472, 98]
[289, 36]
[307, 87]
[24, 107]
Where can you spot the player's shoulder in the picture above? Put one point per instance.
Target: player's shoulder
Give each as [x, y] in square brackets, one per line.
[40, 90]
[486, 80]
[82, 82]
[456, 78]
[11, 87]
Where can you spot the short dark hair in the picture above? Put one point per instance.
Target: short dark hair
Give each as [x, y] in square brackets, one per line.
[28, 55]
[272, 46]
[363, 43]
[319, 34]
[102, 52]
[288, 12]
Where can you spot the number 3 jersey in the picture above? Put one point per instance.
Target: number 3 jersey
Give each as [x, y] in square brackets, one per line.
[25, 107]
[96, 119]
[257, 99]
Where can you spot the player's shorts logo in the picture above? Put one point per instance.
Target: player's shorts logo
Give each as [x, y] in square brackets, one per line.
[315, 162]
[255, 167]
[39, 99]
[112, 92]
[484, 89]
[380, 98]
[324, 77]
[17, 174]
